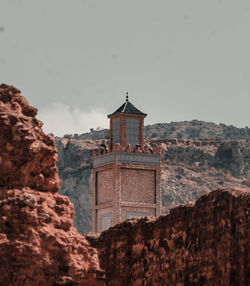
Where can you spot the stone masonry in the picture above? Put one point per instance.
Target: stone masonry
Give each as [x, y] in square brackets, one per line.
[126, 174]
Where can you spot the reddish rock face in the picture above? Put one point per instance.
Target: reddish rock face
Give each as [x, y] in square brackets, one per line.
[202, 244]
[27, 155]
[38, 243]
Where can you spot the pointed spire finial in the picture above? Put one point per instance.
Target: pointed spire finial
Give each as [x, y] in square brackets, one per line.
[127, 96]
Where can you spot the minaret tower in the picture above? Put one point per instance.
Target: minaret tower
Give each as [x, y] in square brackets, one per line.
[126, 173]
[127, 125]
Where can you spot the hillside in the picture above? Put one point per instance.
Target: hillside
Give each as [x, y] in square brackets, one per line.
[195, 129]
[191, 168]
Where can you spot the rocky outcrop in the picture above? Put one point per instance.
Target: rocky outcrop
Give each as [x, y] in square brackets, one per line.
[38, 243]
[228, 155]
[190, 168]
[75, 167]
[202, 244]
[28, 156]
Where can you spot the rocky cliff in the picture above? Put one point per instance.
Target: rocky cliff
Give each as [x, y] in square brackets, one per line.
[191, 168]
[38, 243]
[202, 244]
[75, 167]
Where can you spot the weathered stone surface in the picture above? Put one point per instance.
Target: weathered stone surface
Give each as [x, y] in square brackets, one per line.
[27, 155]
[192, 168]
[38, 243]
[202, 244]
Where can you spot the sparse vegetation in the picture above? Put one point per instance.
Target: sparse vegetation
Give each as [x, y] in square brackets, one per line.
[194, 129]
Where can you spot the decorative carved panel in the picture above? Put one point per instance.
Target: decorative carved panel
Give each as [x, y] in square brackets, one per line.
[127, 158]
[104, 159]
[138, 158]
[104, 186]
[138, 185]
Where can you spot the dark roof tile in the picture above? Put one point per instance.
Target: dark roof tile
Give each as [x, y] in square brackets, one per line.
[128, 108]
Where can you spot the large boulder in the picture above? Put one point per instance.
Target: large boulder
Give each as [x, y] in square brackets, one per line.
[38, 243]
[27, 155]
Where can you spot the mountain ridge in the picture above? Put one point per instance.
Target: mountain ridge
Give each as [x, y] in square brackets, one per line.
[194, 129]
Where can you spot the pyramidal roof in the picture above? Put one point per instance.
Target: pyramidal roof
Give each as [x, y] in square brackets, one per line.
[128, 108]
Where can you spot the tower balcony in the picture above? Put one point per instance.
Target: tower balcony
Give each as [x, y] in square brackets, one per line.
[138, 156]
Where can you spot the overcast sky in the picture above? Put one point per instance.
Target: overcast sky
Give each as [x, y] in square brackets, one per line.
[179, 60]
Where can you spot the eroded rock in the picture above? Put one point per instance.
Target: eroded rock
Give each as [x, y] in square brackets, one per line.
[38, 243]
[206, 243]
[202, 244]
[27, 155]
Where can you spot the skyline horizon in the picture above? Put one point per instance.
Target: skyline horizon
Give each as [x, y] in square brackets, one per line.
[179, 60]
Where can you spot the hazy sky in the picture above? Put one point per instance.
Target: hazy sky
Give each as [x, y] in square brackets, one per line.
[179, 60]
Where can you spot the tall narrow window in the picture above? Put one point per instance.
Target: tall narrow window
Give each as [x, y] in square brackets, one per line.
[116, 130]
[132, 131]
[106, 221]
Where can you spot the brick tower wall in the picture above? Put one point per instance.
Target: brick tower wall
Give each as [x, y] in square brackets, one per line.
[104, 186]
[120, 125]
[124, 190]
[126, 174]
[138, 185]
